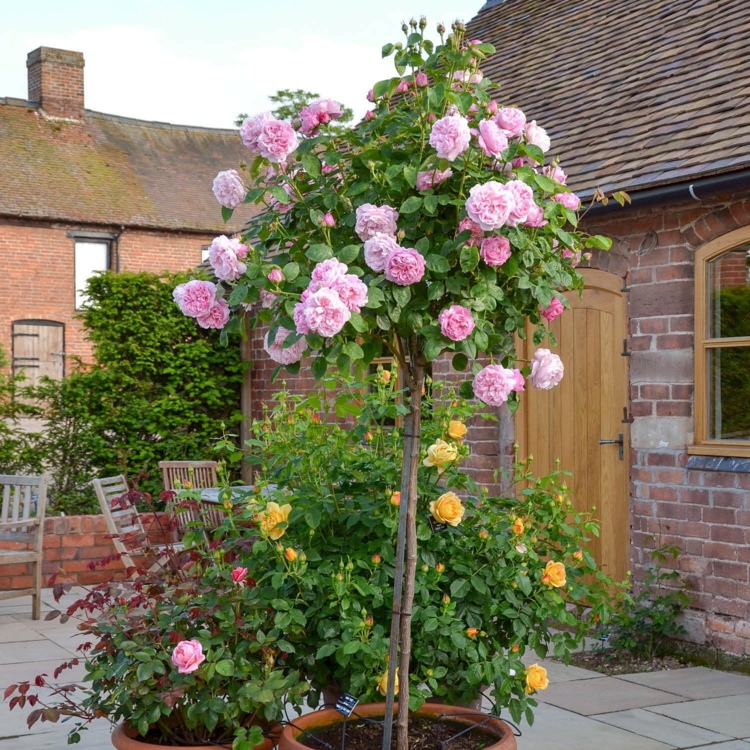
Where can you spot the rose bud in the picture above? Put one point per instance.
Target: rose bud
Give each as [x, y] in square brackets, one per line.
[377, 559]
[328, 220]
[276, 276]
[440, 568]
[578, 554]
[290, 554]
[239, 574]
[446, 599]
[396, 499]
[472, 632]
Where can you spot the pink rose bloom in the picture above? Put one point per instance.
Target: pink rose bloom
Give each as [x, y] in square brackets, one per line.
[555, 173]
[281, 355]
[535, 217]
[319, 113]
[490, 205]
[276, 276]
[224, 255]
[494, 383]
[239, 574]
[456, 323]
[537, 136]
[546, 370]
[492, 107]
[450, 137]
[188, 656]
[523, 202]
[511, 121]
[569, 200]
[327, 169]
[327, 274]
[377, 249]
[328, 220]
[216, 316]
[374, 219]
[466, 76]
[251, 127]
[277, 139]
[568, 254]
[196, 297]
[421, 79]
[553, 310]
[298, 315]
[177, 294]
[325, 313]
[369, 115]
[370, 96]
[404, 266]
[352, 291]
[427, 180]
[267, 298]
[495, 250]
[402, 88]
[491, 139]
[477, 235]
[519, 386]
[228, 189]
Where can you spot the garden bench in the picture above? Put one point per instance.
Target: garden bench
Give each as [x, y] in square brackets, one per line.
[18, 525]
[194, 475]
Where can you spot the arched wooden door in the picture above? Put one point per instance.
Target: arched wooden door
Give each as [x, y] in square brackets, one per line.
[587, 407]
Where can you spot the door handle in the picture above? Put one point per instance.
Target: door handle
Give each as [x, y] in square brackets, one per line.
[620, 441]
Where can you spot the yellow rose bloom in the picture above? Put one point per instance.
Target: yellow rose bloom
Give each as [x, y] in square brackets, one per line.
[457, 429]
[270, 518]
[554, 575]
[517, 526]
[383, 683]
[440, 454]
[447, 509]
[536, 679]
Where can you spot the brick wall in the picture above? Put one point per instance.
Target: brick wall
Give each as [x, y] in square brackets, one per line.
[707, 513]
[55, 79]
[37, 266]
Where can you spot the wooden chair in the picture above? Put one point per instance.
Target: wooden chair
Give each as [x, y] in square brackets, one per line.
[129, 536]
[17, 525]
[195, 475]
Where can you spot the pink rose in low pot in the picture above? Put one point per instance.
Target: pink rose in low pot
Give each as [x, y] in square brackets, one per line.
[188, 656]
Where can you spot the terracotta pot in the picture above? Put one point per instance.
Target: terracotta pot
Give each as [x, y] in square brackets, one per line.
[291, 735]
[128, 739]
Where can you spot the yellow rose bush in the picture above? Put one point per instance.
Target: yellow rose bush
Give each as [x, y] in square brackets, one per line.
[447, 509]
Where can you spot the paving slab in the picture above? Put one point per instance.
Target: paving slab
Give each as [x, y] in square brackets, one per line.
[662, 728]
[17, 632]
[556, 729]
[603, 695]
[733, 745]
[729, 715]
[31, 651]
[558, 672]
[697, 683]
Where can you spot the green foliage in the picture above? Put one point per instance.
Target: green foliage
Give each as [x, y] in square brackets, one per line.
[341, 534]
[160, 389]
[288, 104]
[643, 620]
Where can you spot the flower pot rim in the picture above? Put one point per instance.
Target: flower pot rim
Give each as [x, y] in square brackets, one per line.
[122, 740]
[329, 716]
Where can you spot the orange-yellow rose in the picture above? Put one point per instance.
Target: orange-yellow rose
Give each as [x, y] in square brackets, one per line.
[440, 454]
[383, 683]
[554, 575]
[447, 509]
[270, 518]
[536, 679]
[290, 554]
[396, 498]
[457, 429]
[472, 632]
[517, 526]
[578, 554]
[385, 377]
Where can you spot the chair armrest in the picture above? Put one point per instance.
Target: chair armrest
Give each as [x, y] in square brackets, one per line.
[20, 522]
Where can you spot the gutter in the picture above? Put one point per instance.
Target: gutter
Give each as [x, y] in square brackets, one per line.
[700, 189]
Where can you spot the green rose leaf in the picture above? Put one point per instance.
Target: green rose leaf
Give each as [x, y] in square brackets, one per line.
[348, 254]
[411, 204]
[469, 258]
[226, 213]
[319, 253]
[402, 295]
[353, 350]
[291, 271]
[599, 242]
[311, 165]
[432, 349]
[319, 367]
[254, 195]
[437, 263]
[375, 297]
[279, 193]
[225, 667]
[238, 295]
[359, 324]
[460, 361]
[410, 175]
[545, 183]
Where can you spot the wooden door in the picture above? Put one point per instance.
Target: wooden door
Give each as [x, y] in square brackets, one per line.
[39, 349]
[587, 407]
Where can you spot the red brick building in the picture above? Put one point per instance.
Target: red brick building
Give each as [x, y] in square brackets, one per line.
[82, 191]
[653, 415]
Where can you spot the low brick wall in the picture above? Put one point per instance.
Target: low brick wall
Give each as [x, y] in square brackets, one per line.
[71, 544]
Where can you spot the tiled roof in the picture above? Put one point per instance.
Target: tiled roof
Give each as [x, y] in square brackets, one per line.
[114, 170]
[635, 93]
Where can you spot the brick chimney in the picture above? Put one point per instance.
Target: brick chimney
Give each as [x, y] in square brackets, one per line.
[56, 81]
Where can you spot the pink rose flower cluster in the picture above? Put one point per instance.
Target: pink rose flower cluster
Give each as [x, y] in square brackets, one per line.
[492, 140]
[277, 352]
[477, 233]
[493, 205]
[546, 370]
[197, 299]
[553, 310]
[372, 220]
[494, 383]
[188, 656]
[450, 136]
[229, 189]
[327, 304]
[319, 113]
[273, 139]
[224, 256]
[569, 200]
[456, 322]
[495, 250]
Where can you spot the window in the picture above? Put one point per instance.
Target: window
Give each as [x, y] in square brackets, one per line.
[90, 256]
[204, 253]
[722, 346]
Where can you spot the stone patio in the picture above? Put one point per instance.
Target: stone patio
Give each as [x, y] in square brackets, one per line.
[695, 708]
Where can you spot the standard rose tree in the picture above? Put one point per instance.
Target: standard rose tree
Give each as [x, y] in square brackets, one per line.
[434, 228]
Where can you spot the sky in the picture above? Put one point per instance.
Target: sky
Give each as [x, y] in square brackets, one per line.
[196, 62]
